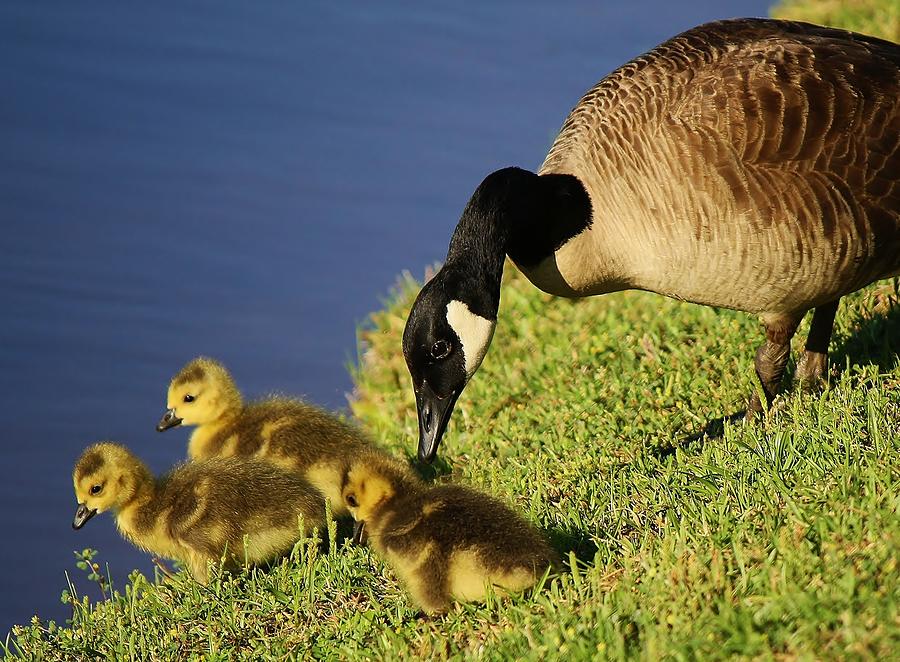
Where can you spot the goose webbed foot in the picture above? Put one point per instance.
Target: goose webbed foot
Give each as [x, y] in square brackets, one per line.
[771, 359]
[813, 366]
[811, 371]
[772, 355]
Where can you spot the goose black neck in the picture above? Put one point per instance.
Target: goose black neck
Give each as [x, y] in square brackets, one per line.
[518, 213]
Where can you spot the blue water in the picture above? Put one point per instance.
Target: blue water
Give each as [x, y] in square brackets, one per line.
[245, 181]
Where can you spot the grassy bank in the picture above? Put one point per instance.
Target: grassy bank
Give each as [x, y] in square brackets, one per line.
[876, 17]
[773, 540]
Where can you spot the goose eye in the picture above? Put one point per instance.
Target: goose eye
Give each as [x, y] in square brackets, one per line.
[440, 349]
[351, 501]
[189, 398]
[95, 489]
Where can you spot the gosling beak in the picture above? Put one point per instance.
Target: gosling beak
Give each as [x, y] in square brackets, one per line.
[169, 420]
[434, 414]
[359, 533]
[82, 515]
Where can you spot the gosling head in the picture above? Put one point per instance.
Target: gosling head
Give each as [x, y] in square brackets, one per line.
[370, 483]
[202, 392]
[106, 477]
[444, 343]
[365, 491]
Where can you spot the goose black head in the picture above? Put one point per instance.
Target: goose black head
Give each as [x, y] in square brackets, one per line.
[452, 322]
[444, 342]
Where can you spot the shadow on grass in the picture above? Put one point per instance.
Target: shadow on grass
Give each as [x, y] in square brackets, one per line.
[344, 532]
[430, 472]
[572, 540]
[876, 341]
[714, 429]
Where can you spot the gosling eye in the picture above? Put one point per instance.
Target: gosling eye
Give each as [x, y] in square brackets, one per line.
[189, 398]
[351, 501]
[96, 489]
[441, 349]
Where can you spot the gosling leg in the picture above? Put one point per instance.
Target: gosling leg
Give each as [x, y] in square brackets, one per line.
[167, 572]
[772, 357]
[428, 585]
[197, 565]
[814, 361]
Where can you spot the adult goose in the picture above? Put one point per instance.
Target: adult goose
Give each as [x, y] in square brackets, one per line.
[751, 164]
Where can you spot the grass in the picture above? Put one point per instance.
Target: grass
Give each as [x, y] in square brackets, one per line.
[880, 18]
[776, 540]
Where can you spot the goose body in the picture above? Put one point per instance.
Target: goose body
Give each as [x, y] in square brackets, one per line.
[288, 432]
[243, 510]
[446, 542]
[751, 164]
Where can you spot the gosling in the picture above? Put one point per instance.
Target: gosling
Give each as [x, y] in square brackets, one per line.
[447, 542]
[200, 512]
[288, 432]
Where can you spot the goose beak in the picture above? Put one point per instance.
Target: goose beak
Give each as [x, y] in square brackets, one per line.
[82, 515]
[359, 533]
[169, 420]
[434, 414]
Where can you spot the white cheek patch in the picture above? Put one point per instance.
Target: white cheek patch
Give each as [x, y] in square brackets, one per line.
[475, 333]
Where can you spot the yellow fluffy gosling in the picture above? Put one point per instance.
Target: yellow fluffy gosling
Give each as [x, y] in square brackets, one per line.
[198, 511]
[445, 542]
[285, 431]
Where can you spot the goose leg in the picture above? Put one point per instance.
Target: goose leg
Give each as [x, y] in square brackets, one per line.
[772, 357]
[811, 369]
